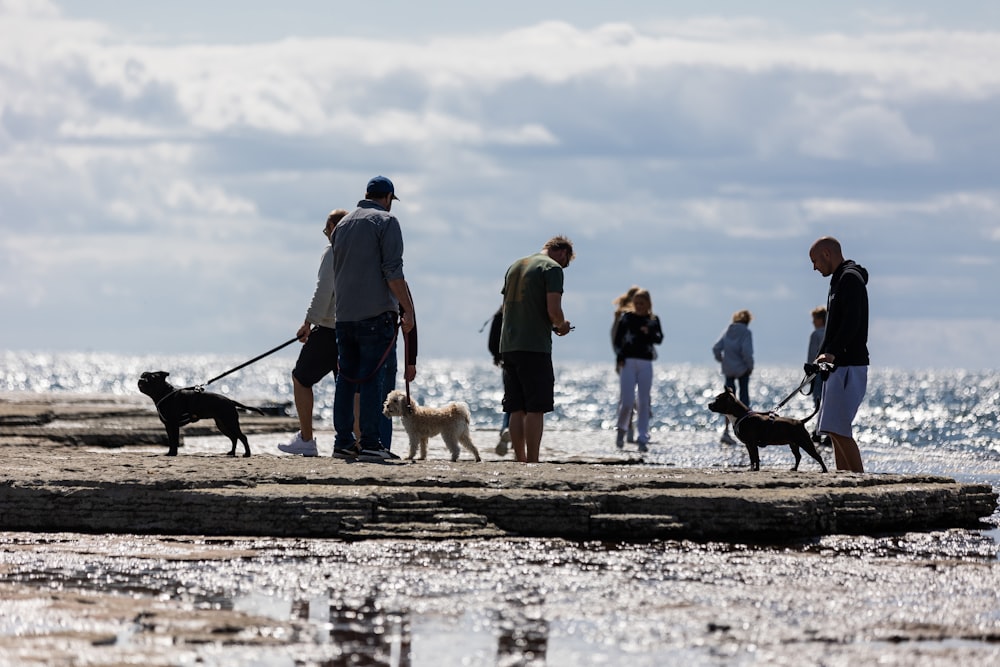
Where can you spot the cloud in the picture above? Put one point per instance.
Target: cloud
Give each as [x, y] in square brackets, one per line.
[699, 158]
[868, 134]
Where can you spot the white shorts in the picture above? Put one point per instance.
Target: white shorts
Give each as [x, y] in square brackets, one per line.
[843, 392]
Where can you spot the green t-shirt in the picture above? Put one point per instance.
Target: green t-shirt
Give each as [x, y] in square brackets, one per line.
[526, 324]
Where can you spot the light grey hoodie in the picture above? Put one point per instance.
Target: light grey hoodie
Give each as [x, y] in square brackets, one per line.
[322, 308]
[735, 350]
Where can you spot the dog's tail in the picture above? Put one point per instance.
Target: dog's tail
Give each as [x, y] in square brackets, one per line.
[466, 413]
[811, 415]
[248, 408]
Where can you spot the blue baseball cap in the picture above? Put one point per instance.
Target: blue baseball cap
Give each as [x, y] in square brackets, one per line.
[380, 186]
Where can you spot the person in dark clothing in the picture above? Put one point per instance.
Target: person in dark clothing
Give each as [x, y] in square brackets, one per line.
[637, 332]
[494, 346]
[845, 345]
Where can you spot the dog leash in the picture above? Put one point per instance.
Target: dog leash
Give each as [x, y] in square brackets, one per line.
[808, 379]
[201, 387]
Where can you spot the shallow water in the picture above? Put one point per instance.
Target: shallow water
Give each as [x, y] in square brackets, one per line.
[286, 602]
[914, 599]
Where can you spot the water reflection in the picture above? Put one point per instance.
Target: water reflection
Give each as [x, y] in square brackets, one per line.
[488, 602]
[524, 632]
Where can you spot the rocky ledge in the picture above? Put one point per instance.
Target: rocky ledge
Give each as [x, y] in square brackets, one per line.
[46, 485]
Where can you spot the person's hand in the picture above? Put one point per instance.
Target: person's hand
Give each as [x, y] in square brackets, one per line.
[619, 365]
[303, 333]
[410, 372]
[563, 328]
[406, 322]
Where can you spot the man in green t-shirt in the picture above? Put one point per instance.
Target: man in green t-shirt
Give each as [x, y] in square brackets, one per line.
[532, 312]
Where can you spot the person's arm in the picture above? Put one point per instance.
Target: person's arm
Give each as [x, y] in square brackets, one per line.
[410, 354]
[559, 322]
[408, 325]
[717, 349]
[322, 299]
[401, 291]
[655, 331]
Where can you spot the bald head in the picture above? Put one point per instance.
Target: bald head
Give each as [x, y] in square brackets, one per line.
[826, 255]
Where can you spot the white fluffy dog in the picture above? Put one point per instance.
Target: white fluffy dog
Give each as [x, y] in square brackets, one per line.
[422, 423]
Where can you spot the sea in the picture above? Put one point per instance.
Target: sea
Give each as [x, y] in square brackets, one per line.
[913, 598]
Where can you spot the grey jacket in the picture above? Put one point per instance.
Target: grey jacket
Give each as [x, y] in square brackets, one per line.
[367, 254]
[735, 350]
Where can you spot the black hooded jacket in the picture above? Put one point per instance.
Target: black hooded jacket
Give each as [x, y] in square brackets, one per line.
[847, 316]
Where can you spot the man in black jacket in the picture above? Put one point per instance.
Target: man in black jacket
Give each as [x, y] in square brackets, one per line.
[845, 345]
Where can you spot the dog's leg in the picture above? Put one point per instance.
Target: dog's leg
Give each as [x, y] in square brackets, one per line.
[810, 449]
[796, 454]
[423, 448]
[229, 426]
[754, 456]
[449, 441]
[173, 438]
[413, 446]
[466, 440]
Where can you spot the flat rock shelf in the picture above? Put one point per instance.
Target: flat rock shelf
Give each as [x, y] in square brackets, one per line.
[72, 483]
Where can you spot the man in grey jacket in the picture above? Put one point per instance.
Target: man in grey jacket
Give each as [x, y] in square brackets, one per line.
[318, 355]
[371, 293]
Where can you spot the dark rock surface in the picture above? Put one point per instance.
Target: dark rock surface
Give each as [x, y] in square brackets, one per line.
[46, 485]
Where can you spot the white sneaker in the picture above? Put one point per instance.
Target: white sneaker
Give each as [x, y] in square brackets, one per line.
[299, 446]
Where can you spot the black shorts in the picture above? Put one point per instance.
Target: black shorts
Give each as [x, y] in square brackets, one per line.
[317, 358]
[528, 382]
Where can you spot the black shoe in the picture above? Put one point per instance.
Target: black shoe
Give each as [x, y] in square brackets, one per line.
[346, 453]
[376, 454]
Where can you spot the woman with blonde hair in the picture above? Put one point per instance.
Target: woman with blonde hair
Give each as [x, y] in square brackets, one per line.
[622, 303]
[637, 331]
[734, 350]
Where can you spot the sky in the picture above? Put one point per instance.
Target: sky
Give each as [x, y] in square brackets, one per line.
[166, 168]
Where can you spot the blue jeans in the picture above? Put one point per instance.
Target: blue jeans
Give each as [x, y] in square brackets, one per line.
[361, 345]
[744, 394]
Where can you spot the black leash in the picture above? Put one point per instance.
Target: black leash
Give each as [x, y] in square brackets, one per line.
[201, 387]
[812, 370]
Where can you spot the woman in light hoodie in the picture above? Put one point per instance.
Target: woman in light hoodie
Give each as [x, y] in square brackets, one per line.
[734, 350]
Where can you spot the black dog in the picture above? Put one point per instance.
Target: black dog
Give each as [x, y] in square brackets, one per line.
[179, 407]
[759, 429]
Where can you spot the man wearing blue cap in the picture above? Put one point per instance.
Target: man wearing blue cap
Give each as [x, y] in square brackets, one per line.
[371, 293]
